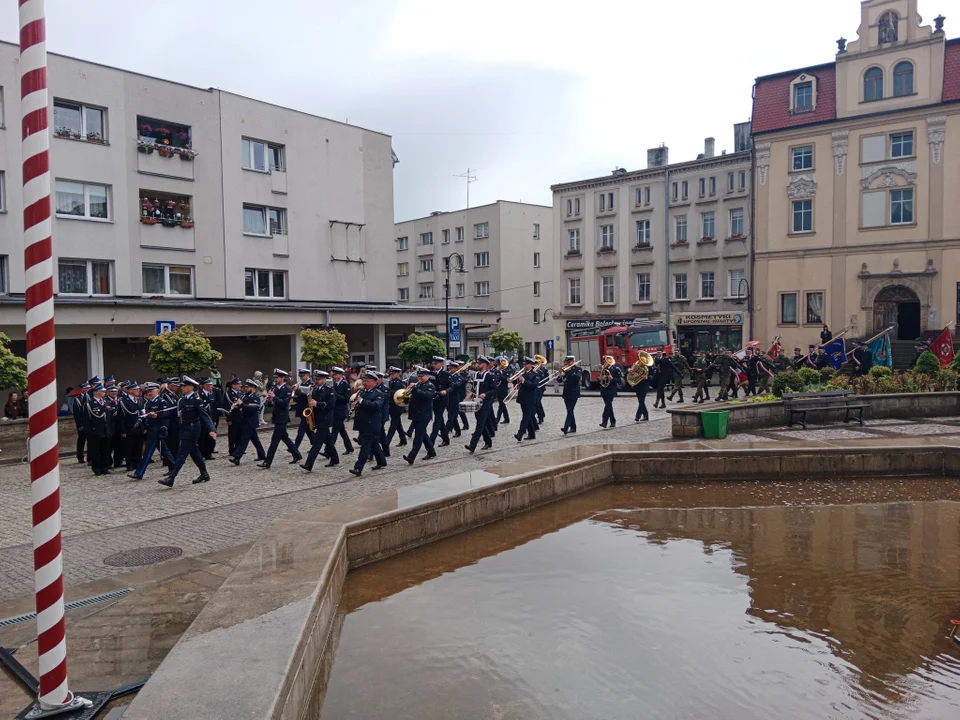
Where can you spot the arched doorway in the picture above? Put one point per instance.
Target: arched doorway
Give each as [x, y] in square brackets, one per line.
[898, 306]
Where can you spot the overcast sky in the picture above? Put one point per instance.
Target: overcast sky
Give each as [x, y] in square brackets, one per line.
[529, 93]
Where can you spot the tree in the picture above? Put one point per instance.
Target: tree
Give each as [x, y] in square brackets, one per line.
[324, 348]
[419, 348]
[180, 351]
[506, 341]
[13, 368]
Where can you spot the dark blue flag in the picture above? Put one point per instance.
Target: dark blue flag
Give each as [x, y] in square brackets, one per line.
[836, 350]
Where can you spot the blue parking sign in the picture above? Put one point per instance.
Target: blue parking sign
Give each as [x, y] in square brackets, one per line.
[454, 331]
[163, 326]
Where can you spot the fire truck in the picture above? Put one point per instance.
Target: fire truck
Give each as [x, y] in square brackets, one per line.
[622, 342]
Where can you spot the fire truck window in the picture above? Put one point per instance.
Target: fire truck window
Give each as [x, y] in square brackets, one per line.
[620, 341]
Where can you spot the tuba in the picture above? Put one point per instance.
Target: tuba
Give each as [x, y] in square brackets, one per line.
[606, 377]
[639, 371]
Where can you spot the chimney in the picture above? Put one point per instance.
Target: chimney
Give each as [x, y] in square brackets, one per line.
[709, 147]
[658, 157]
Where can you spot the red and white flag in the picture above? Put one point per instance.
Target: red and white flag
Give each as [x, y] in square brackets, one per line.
[942, 347]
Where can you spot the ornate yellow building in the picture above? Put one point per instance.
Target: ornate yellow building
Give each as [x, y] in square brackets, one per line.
[857, 185]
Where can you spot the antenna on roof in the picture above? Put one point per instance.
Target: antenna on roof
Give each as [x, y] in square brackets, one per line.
[470, 179]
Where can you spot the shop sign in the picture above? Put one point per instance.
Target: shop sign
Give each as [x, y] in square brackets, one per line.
[599, 323]
[718, 318]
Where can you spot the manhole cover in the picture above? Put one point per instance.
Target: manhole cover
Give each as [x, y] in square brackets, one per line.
[143, 556]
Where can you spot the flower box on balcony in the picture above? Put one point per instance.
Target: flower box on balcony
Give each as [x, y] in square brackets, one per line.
[186, 224]
[170, 222]
[148, 220]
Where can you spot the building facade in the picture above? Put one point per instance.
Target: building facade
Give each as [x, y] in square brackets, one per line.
[670, 243]
[506, 256]
[857, 180]
[180, 204]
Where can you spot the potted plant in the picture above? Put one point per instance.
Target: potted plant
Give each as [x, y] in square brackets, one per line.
[706, 239]
[164, 151]
[186, 223]
[163, 134]
[169, 222]
[182, 139]
[147, 220]
[186, 155]
[62, 132]
[145, 145]
[94, 137]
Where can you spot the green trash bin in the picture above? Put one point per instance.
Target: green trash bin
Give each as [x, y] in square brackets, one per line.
[715, 423]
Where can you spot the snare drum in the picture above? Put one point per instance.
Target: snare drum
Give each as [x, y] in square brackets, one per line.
[470, 406]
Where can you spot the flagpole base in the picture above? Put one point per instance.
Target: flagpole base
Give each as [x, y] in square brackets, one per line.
[77, 707]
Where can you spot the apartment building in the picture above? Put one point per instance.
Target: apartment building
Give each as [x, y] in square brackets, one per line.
[857, 180]
[498, 256]
[669, 243]
[177, 204]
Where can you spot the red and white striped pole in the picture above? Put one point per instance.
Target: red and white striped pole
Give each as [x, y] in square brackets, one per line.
[41, 362]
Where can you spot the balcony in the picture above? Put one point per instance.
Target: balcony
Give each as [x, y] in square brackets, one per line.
[607, 257]
[423, 250]
[166, 220]
[164, 148]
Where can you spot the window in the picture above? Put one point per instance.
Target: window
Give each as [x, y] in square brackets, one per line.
[403, 243]
[730, 182]
[737, 285]
[643, 233]
[707, 285]
[481, 230]
[707, 225]
[639, 200]
[606, 238]
[606, 201]
[167, 280]
[403, 269]
[536, 288]
[675, 191]
[3, 263]
[83, 277]
[814, 308]
[573, 240]
[901, 145]
[680, 286]
[426, 238]
[683, 188]
[403, 294]
[536, 231]
[788, 308]
[445, 234]
[736, 222]
[802, 216]
[803, 97]
[536, 347]
[573, 291]
[646, 195]
[873, 85]
[1, 106]
[680, 228]
[713, 186]
[80, 122]
[536, 315]
[803, 158]
[703, 187]
[643, 287]
[576, 206]
[901, 206]
[262, 156]
[569, 207]
[482, 289]
[481, 259]
[446, 264]
[82, 200]
[536, 260]
[2, 184]
[606, 289]
[903, 79]
[461, 290]
[603, 201]
[460, 234]
[743, 180]
[426, 265]
[426, 291]
[164, 132]
[259, 220]
[265, 283]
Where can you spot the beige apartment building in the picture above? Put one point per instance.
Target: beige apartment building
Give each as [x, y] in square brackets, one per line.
[177, 204]
[668, 243]
[858, 182]
[498, 256]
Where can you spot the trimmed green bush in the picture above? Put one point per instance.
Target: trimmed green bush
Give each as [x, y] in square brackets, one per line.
[879, 371]
[809, 376]
[927, 364]
[787, 382]
[826, 374]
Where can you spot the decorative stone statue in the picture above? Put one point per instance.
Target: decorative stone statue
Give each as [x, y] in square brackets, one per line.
[888, 28]
[842, 44]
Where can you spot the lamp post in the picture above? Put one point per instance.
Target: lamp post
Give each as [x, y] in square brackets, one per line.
[543, 319]
[741, 295]
[448, 266]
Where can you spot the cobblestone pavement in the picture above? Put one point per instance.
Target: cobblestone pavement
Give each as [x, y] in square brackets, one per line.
[105, 515]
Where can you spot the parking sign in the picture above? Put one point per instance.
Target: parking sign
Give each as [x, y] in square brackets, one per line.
[165, 326]
[454, 331]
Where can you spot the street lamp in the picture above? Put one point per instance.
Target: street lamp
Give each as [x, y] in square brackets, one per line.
[543, 319]
[741, 295]
[448, 266]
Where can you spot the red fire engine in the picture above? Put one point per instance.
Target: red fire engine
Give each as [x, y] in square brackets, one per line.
[622, 342]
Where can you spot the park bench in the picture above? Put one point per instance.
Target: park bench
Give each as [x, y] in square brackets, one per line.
[807, 402]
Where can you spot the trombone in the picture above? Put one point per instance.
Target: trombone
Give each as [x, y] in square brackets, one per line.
[540, 362]
[558, 374]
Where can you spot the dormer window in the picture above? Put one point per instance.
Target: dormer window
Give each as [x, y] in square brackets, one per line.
[873, 85]
[803, 94]
[903, 79]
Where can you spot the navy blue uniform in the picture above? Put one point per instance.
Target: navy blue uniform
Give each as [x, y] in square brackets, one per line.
[503, 413]
[156, 429]
[486, 384]
[249, 422]
[641, 389]
[281, 418]
[439, 407]
[527, 397]
[323, 439]
[101, 423]
[420, 411]
[173, 436]
[193, 419]
[396, 413]
[233, 417]
[341, 389]
[301, 401]
[368, 422]
[132, 431]
[571, 396]
[608, 394]
[79, 412]
[458, 385]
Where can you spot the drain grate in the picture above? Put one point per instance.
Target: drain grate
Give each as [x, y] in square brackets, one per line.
[143, 556]
[115, 595]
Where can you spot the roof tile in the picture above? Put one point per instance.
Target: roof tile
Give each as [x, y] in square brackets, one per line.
[951, 71]
[771, 100]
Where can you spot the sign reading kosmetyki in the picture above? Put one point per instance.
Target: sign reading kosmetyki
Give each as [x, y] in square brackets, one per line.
[709, 318]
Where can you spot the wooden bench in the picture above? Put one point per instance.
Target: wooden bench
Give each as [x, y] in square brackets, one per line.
[803, 403]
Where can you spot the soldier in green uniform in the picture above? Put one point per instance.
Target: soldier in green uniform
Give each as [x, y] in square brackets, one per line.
[722, 364]
[699, 372]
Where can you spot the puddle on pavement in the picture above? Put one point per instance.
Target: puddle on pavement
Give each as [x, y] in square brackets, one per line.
[743, 600]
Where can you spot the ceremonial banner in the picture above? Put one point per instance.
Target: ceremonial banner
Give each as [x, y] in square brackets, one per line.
[836, 350]
[880, 349]
[942, 347]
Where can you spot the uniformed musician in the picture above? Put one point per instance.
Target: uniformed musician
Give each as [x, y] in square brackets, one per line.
[194, 419]
[572, 378]
[249, 405]
[609, 394]
[155, 420]
[303, 392]
[280, 393]
[527, 398]
[394, 385]
[341, 389]
[442, 384]
[100, 423]
[368, 422]
[503, 412]
[79, 411]
[323, 399]
[231, 411]
[420, 411]
[486, 384]
[130, 406]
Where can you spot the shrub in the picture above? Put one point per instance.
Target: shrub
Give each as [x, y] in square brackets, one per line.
[809, 376]
[927, 364]
[879, 371]
[947, 380]
[787, 382]
[838, 382]
[827, 374]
